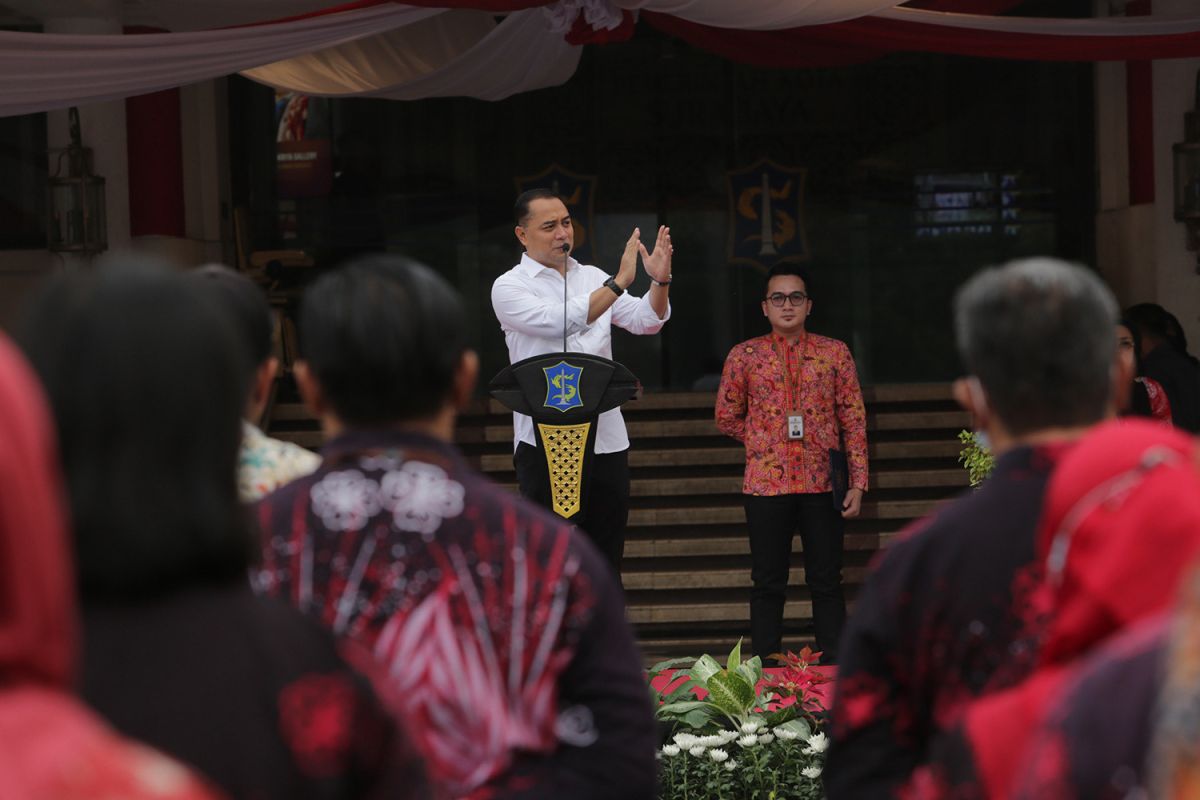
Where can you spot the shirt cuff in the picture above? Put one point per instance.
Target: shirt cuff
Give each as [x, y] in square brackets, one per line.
[648, 311]
[577, 314]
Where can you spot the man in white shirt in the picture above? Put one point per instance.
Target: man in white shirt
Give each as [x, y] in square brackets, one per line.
[528, 301]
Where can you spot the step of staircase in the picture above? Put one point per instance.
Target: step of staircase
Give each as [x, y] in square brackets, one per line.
[687, 557]
[734, 612]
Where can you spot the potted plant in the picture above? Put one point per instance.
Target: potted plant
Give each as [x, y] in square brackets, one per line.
[975, 457]
[735, 732]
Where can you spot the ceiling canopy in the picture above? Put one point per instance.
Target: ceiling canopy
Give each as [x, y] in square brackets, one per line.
[491, 49]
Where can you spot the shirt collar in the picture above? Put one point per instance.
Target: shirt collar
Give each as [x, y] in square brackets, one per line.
[531, 267]
[358, 441]
[782, 341]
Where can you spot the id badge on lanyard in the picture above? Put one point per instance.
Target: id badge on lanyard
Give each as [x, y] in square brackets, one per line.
[795, 419]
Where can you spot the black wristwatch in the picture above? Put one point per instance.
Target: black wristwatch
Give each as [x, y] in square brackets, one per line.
[612, 284]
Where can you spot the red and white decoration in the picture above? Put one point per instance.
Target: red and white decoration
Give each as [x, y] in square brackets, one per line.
[492, 49]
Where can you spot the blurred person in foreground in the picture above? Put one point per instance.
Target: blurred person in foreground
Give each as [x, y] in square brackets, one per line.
[501, 628]
[147, 384]
[54, 747]
[1120, 530]
[264, 463]
[947, 613]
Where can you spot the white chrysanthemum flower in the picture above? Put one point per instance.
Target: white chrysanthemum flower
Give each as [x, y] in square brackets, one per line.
[731, 765]
[727, 736]
[714, 740]
[765, 738]
[718, 755]
[671, 750]
[697, 751]
[751, 725]
[786, 734]
[817, 744]
[685, 740]
[749, 740]
[811, 772]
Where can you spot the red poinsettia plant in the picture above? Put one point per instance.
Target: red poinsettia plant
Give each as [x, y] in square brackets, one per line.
[797, 678]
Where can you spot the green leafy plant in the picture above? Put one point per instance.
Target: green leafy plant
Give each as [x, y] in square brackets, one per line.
[977, 459]
[737, 733]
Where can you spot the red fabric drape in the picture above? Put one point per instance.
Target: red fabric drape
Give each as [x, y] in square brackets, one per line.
[154, 141]
[1139, 106]
[864, 39]
[154, 131]
[583, 33]
[861, 39]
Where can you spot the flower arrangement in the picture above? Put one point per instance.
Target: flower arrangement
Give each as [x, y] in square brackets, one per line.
[737, 733]
[977, 459]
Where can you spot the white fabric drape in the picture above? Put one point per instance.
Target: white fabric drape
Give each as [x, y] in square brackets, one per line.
[197, 15]
[466, 54]
[396, 51]
[600, 14]
[42, 71]
[1102, 26]
[761, 15]
[386, 59]
[456, 54]
[172, 15]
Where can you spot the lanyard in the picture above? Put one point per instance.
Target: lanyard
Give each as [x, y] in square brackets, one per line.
[796, 383]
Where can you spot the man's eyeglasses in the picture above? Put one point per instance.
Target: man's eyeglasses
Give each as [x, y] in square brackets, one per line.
[778, 298]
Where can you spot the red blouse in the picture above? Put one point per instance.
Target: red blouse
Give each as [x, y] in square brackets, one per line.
[756, 397]
[1160, 406]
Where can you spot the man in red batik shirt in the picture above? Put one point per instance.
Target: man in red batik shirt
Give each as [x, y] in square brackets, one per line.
[792, 396]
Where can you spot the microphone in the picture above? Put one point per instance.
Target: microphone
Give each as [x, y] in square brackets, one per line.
[566, 248]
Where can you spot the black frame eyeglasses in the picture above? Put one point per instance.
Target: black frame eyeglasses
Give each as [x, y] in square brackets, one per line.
[795, 298]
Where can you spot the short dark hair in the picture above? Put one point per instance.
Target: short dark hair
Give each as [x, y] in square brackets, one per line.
[521, 207]
[1038, 334]
[787, 268]
[246, 303]
[384, 337]
[147, 385]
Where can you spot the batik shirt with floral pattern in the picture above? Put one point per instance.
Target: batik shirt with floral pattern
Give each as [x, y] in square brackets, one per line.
[501, 630]
[948, 613]
[265, 464]
[758, 393]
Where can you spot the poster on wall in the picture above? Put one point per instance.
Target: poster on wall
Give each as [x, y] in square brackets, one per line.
[766, 215]
[303, 153]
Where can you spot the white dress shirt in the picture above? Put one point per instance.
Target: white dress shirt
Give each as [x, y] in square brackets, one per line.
[528, 301]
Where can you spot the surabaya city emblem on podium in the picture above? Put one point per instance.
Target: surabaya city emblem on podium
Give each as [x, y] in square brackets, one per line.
[562, 386]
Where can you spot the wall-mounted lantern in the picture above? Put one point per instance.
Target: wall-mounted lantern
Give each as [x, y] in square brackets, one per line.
[75, 209]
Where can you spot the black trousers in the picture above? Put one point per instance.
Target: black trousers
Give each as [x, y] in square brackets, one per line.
[772, 522]
[606, 506]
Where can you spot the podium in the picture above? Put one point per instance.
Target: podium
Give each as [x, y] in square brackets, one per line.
[564, 394]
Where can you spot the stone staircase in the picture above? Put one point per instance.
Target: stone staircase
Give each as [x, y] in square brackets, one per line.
[687, 560]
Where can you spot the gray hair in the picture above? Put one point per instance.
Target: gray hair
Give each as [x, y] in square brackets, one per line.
[1038, 334]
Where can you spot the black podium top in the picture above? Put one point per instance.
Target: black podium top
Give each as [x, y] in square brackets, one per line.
[563, 388]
